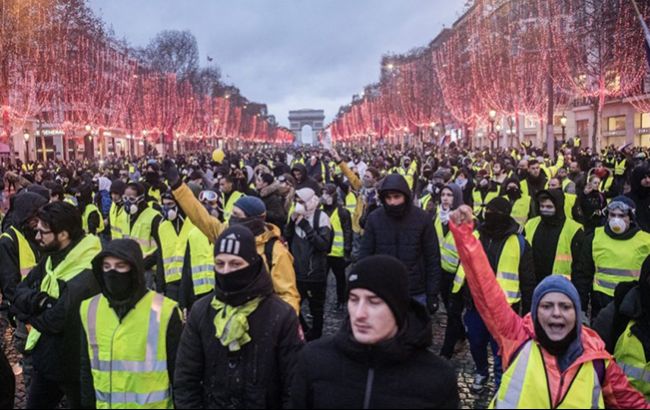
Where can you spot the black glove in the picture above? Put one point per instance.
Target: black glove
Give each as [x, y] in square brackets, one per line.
[38, 302]
[304, 225]
[171, 174]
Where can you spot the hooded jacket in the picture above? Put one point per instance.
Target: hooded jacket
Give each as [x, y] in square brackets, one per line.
[398, 373]
[275, 211]
[259, 375]
[307, 181]
[126, 250]
[641, 197]
[511, 331]
[411, 239]
[547, 236]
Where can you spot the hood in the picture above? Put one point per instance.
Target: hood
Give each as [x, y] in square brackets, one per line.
[125, 249]
[271, 232]
[104, 184]
[302, 168]
[395, 182]
[416, 336]
[25, 205]
[557, 197]
[39, 190]
[458, 195]
[635, 181]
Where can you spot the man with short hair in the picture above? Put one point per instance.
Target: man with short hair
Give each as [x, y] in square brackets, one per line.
[380, 356]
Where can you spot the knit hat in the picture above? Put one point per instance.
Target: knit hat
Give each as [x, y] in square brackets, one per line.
[238, 241]
[500, 205]
[306, 194]
[251, 206]
[387, 278]
[557, 283]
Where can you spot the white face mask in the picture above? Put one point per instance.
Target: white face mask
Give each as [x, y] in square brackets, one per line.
[172, 214]
[618, 225]
[300, 209]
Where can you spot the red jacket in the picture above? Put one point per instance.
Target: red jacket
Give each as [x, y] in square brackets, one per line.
[511, 331]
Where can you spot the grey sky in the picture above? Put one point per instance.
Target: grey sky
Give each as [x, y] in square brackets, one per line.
[289, 54]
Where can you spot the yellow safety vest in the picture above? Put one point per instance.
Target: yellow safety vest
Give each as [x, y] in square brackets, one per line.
[525, 191]
[569, 203]
[618, 261]
[630, 356]
[168, 241]
[521, 210]
[155, 196]
[449, 259]
[128, 357]
[351, 202]
[119, 221]
[227, 209]
[201, 262]
[338, 250]
[507, 271]
[525, 385]
[90, 208]
[619, 167]
[141, 232]
[480, 204]
[174, 262]
[424, 201]
[563, 255]
[26, 257]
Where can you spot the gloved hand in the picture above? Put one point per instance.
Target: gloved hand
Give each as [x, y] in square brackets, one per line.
[432, 305]
[171, 174]
[38, 302]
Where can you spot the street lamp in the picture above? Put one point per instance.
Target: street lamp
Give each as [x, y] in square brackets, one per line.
[26, 136]
[492, 115]
[563, 121]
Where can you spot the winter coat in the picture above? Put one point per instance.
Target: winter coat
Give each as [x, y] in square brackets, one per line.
[411, 239]
[307, 181]
[641, 197]
[56, 355]
[310, 246]
[336, 372]
[275, 212]
[511, 331]
[282, 271]
[259, 375]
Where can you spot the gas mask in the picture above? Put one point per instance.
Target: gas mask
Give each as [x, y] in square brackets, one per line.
[131, 205]
[171, 213]
[618, 225]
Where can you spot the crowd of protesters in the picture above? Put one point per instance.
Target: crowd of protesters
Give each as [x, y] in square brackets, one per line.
[200, 280]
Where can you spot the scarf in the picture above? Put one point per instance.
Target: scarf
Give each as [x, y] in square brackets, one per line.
[79, 259]
[231, 323]
[444, 215]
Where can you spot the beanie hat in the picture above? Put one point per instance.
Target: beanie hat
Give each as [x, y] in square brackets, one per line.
[251, 206]
[387, 278]
[557, 283]
[500, 205]
[238, 241]
[306, 194]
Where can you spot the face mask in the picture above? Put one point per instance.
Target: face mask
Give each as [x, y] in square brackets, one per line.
[132, 207]
[461, 182]
[484, 183]
[617, 225]
[171, 213]
[300, 209]
[255, 224]
[238, 280]
[514, 193]
[547, 212]
[327, 200]
[368, 183]
[151, 177]
[119, 285]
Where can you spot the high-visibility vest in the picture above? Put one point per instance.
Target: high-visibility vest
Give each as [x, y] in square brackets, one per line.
[449, 259]
[480, 204]
[521, 210]
[168, 240]
[618, 261]
[128, 357]
[291, 210]
[525, 190]
[141, 232]
[201, 262]
[119, 221]
[563, 255]
[565, 183]
[630, 356]
[569, 203]
[424, 201]
[507, 270]
[227, 209]
[619, 167]
[338, 250]
[525, 385]
[90, 208]
[351, 202]
[26, 256]
[155, 196]
[174, 262]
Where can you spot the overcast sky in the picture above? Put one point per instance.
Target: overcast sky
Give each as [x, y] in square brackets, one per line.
[289, 54]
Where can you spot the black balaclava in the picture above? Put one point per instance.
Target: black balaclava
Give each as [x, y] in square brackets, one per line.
[497, 218]
[238, 241]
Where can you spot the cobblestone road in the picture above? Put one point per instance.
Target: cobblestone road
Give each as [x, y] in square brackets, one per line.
[462, 360]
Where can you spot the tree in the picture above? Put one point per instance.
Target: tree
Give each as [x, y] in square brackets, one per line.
[173, 51]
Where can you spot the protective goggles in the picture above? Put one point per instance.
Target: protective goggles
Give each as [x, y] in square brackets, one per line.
[133, 199]
[208, 196]
[620, 206]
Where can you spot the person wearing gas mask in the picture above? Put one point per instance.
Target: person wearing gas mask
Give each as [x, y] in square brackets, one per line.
[174, 237]
[611, 256]
[240, 344]
[402, 230]
[310, 237]
[127, 359]
[555, 239]
[144, 227]
[48, 299]
[341, 255]
[484, 192]
[91, 219]
[521, 204]
[511, 257]
[640, 194]
[551, 359]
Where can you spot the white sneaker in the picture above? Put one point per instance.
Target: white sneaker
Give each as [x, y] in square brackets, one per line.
[479, 383]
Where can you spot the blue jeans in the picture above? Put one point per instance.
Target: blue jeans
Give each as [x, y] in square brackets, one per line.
[479, 337]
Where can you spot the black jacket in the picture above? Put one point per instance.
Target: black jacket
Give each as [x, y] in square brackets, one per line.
[259, 375]
[411, 239]
[275, 211]
[641, 197]
[307, 181]
[337, 372]
[310, 250]
[56, 356]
